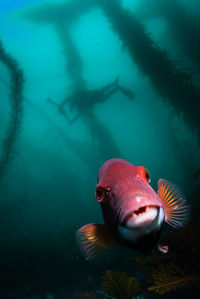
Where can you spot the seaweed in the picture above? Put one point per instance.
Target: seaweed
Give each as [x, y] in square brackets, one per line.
[172, 273]
[16, 98]
[172, 85]
[120, 286]
[179, 268]
[68, 11]
[183, 26]
[172, 277]
[100, 135]
[74, 62]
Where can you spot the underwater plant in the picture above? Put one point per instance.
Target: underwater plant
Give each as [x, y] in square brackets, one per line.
[173, 85]
[178, 269]
[16, 98]
[68, 11]
[54, 14]
[183, 26]
[171, 277]
[119, 285]
[74, 62]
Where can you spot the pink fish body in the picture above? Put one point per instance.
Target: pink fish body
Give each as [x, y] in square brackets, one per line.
[133, 212]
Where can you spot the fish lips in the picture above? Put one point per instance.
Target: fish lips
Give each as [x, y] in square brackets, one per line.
[142, 217]
[140, 214]
[147, 222]
[139, 209]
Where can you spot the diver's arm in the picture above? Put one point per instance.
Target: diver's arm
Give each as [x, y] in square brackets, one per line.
[49, 100]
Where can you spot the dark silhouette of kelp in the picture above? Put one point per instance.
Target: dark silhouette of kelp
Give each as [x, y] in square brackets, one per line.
[68, 11]
[103, 144]
[74, 62]
[16, 98]
[100, 135]
[173, 85]
[184, 27]
[76, 146]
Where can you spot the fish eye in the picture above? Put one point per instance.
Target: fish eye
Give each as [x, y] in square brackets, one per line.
[147, 175]
[100, 193]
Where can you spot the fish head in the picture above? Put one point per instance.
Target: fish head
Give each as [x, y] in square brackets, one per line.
[131, 208]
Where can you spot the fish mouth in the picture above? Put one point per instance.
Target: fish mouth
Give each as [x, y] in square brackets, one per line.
[139, 223]
[142, 217]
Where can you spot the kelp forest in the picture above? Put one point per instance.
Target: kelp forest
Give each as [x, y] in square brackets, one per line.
[81, 82]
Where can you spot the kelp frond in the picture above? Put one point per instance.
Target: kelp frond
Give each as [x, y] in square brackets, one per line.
[171, 84]
[171, 277]
[16, 89]
[120, 286]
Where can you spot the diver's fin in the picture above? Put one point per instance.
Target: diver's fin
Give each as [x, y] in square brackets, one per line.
[95, 241]
[163, 248]
[176, 208]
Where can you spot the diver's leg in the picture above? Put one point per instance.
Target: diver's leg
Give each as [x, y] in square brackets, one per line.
[127, 92]
[111, 85]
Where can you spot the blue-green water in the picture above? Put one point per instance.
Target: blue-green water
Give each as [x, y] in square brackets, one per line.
[49, 158]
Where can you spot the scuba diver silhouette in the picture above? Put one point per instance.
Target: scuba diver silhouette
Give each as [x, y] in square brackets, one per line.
[83, 98]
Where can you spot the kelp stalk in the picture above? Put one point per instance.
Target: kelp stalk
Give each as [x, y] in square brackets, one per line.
[173, 85]
[16, 89]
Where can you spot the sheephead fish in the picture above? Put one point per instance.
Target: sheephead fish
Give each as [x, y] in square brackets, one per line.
[133, 212]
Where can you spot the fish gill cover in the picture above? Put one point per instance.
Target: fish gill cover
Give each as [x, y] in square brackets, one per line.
[83, 81]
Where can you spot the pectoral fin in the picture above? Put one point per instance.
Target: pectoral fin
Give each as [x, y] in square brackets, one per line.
[177, 210]
[95, 241]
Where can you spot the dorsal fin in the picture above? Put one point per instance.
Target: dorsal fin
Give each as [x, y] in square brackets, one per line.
[177, 210]
[95, 241]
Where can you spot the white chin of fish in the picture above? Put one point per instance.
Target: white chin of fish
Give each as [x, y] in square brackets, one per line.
[144, 223]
